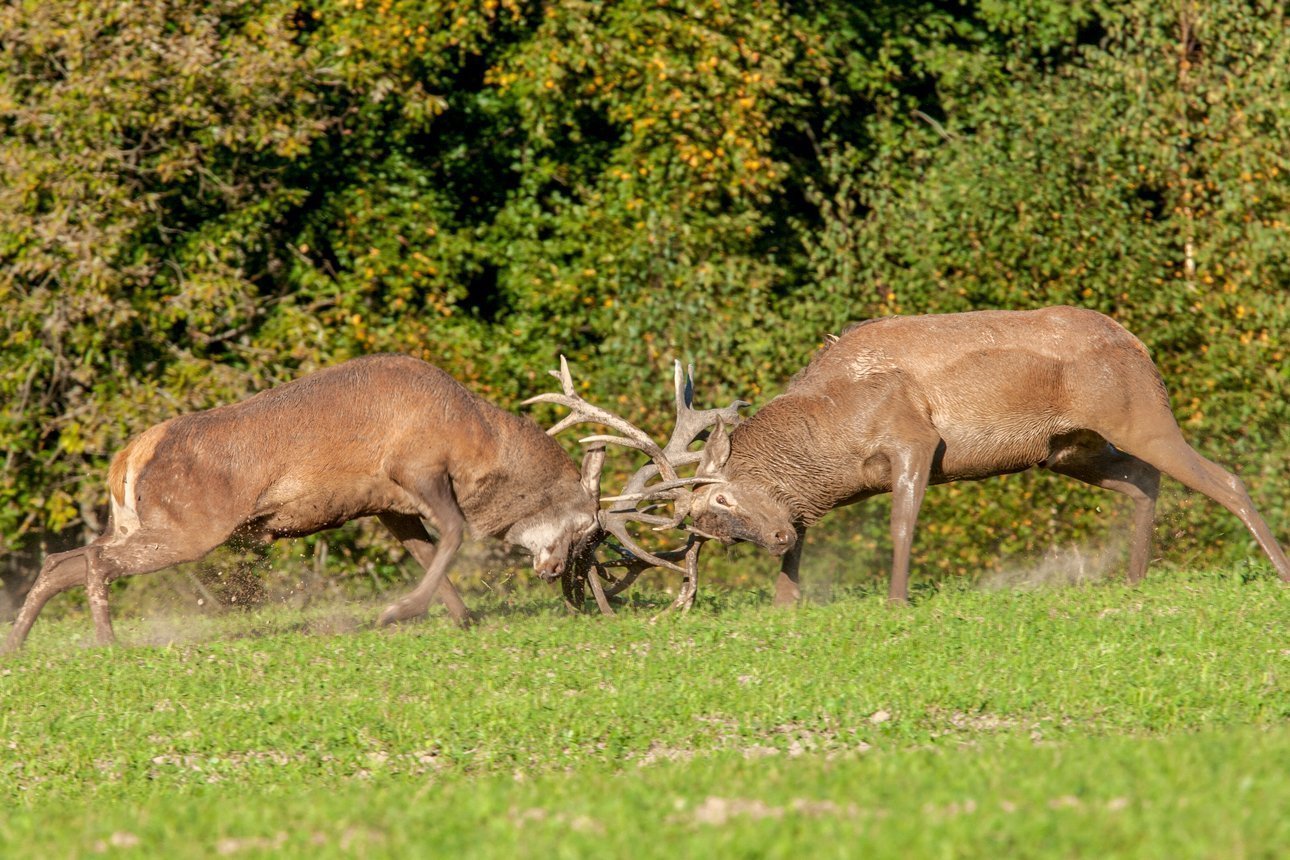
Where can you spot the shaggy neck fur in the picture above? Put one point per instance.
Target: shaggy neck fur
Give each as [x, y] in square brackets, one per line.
[787, 451]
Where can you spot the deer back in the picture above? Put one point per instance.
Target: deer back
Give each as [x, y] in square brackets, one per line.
[339, 444]
[996, 386]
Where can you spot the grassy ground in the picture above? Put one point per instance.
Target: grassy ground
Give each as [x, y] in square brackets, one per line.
[1087, 721]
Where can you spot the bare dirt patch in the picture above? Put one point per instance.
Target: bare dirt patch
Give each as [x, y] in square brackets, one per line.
[718, 811]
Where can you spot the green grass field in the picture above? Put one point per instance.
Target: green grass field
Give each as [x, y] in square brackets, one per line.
[1084, 721]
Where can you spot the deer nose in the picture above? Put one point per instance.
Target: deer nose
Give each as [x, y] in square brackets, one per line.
[550, 569]
[782, 538]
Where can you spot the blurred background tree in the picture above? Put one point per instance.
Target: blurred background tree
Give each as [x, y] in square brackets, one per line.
[201, 200]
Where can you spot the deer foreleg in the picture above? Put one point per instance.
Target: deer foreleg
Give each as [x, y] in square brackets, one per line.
[438, 506]
[787, 586]
[410, 532]
[910, 472]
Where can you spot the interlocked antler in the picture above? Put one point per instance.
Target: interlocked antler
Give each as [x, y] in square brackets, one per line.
[690, 423]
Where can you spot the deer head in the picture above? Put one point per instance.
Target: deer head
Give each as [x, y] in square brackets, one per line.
[729, 510]
[556, 533]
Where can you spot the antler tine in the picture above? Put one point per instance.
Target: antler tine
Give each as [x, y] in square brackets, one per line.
[616, 524]
[684, 385]
[565, 377]
[690, 422]
[627, 507]
[646, 445]
[582, 412]
[594, 569]
[662, 490]
[645, 517]
[593, 463]
[638, 486]
[585, 412]
[615, 520]
[690, 584]
[566, 384]
[563, 424]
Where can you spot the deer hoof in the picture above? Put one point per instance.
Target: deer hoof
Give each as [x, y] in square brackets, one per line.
[396, 612]
[787, 598]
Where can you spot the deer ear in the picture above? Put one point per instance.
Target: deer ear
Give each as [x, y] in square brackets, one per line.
[593, 460]
[715, 453]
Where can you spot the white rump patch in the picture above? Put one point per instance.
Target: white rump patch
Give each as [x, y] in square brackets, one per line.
[125, 519]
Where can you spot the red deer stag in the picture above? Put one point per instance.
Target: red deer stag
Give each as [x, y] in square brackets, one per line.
[896, 404]
[384, 435]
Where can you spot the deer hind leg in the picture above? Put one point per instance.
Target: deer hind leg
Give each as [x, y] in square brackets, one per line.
[787, 587]
[1171, 454]
[1097, 463]
[97, 565]
[437, 505]
[410, 532]
[144, 551]
[60, 572]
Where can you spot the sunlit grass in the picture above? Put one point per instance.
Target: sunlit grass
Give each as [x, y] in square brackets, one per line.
[1098, 719]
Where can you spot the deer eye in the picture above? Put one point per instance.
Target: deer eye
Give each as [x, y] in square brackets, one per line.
[722, 500]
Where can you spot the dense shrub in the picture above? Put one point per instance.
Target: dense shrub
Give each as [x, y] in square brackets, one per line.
[199, 200]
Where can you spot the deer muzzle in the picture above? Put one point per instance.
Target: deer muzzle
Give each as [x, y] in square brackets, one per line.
[777, 539]
[549, 565]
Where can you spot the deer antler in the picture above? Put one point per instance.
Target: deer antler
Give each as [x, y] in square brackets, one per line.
[665, 460]
[583, 412]
[690, 424]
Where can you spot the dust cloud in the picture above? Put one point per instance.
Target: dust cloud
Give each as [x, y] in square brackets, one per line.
[1076, 564]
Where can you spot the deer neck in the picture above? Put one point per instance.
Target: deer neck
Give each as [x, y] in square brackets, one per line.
[792, 451]
[527, 477]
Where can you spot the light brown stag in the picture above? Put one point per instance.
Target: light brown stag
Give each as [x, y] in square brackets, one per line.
[384, 435]
[899, 403]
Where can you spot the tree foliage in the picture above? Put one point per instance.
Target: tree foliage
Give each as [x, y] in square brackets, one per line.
[200, 200]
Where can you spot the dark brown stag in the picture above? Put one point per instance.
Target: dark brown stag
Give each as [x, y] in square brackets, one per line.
[896, 404]
[385, 435]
